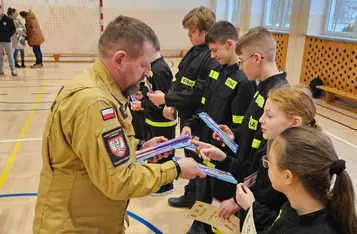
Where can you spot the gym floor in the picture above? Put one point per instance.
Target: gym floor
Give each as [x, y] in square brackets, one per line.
[24, 104]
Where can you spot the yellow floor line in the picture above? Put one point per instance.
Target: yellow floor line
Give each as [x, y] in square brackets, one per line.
[11, 160]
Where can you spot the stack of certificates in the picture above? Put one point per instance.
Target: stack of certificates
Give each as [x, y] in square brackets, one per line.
[164, 147]
[214, 126]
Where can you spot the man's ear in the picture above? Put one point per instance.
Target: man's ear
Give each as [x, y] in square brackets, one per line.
[118, 58]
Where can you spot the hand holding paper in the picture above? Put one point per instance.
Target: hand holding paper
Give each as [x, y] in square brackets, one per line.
[158, 97]
[152, 143]
[209, 152]
[225, 129]
[227, 209]
[215, 173]
[207, 213]
[136, 106]
[245, 197]
[227, 139]
[190, 169]
[158, 146]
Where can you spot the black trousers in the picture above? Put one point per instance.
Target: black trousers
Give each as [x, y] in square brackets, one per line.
[139, 125]
[190, 188]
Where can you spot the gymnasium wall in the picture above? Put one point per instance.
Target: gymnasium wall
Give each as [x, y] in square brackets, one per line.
[72, 26]
[282, 41]
[335, 62]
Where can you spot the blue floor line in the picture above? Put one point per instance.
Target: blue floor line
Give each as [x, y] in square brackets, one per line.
[130, 214]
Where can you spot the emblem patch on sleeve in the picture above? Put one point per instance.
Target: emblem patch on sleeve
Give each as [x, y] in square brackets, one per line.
[108, 113]
[116, 146]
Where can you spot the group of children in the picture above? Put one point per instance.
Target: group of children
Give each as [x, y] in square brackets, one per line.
[299, 183]
[13, 35]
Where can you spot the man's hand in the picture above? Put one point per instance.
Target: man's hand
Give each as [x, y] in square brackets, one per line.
[153, 142]
[225, 129]
[186, 131]
[209, 152]
[190, 169]
[139, 95]
[245, 197]
[158, 97]
[168, 113]
[136, 106]
[227, 209]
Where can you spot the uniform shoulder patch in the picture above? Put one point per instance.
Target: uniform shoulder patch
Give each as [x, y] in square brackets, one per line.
[107, 113]
[116, 146]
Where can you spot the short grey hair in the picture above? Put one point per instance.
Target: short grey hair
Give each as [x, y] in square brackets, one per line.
[128, 34]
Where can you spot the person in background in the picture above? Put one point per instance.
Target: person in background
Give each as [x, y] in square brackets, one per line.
[303, 164]
[19, 38]
[138, 115]
[156, 124]
[286, 106]
[186, 92]
[226, 98]
[7, 29]
[35, 36]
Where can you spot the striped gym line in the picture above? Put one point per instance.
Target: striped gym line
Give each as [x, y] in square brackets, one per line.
[16, 148]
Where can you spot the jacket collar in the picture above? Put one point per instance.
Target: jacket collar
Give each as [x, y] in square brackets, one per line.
[108, 80]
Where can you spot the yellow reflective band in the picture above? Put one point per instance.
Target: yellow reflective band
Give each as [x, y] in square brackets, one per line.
[187, 82]
[213, 74]
[214, 230]
[278, 216]
[260, 101]
[238, 119]
[253, 124]
[231, 83]
[151, 74]
[256, 143]
[174, 79]
[256, 93]
[203, 100]
[208, 164]
[161, 124]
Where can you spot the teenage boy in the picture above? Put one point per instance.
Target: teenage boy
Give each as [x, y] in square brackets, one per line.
[186, 93]
[226, 98]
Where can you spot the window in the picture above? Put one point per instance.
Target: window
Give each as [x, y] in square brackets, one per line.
[342, 18]
[277, 14]
[233, 11]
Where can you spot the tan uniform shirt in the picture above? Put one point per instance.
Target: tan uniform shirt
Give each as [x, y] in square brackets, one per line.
[89, 171]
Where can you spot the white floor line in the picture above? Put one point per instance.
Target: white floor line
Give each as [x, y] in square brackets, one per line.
[340, 139]
[18, 140]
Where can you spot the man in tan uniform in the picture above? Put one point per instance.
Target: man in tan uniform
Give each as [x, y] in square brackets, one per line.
[89, 171]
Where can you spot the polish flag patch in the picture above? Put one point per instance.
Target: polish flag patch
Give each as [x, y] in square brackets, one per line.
[108, 113]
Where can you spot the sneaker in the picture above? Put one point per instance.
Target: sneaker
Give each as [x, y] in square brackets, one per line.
[165, 189]
[13, 73]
